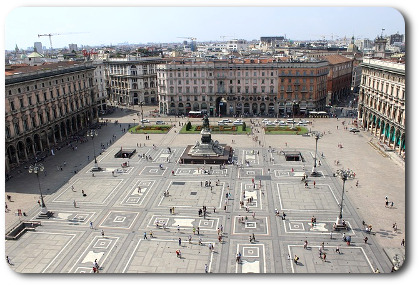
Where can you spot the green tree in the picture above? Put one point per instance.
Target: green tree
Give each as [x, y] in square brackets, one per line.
[243, 126]
[188, 126]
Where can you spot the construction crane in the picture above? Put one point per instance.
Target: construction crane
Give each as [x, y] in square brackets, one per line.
[51, 34]
[190, 38]
[192, 42]
[223, 37]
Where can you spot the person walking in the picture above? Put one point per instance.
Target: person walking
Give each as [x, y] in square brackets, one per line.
[102, 233]
[179, 241]
[91, 224]
[365, 239]
[144, 235]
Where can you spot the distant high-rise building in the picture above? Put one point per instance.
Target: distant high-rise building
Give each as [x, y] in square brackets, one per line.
[73, 47]
[38, 47]
[396, 38]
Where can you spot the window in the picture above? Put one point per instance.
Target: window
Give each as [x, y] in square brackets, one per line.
[21, 102]
[12, 105]
[25, 125]
[17, 129]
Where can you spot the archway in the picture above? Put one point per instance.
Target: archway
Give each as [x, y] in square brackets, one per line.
[262, 108]
[246, 108]
[254, 108]
[221, 105]
[21, 150]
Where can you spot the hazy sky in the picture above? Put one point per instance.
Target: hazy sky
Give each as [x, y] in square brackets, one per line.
[112, 25]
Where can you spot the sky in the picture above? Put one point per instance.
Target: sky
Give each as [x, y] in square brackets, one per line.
[112, 25]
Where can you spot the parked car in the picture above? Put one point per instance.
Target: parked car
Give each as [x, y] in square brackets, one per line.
[354, 130]
[145, 121]
[226, 120]
[238, 122]
[221, 123]
[160, 122]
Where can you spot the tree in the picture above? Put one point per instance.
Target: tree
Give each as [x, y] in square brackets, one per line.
[243, 126]
[188, 126]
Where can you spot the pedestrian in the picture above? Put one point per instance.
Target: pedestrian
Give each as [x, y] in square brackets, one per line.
[325, 257]
[179, 241]
[74, 203]
[314, 184]
[39, 203]
[403, 242]
[189, 239]
[102, 233]
[206, 268]
[296, 259]
[365, 239]
[8, 260]
[91, 225]
[357, 183]
[337, 250]
[177, 227]
[198, 230]
[305, 245]
[144, 235]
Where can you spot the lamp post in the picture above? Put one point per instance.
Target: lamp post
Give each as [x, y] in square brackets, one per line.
[293, 113]
[317, 136]
[141, 106]
[344, 175]
[36, 168]
[92, 133]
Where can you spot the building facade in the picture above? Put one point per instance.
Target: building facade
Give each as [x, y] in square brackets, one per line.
[241, 87]
[339, 78]
[381, 108]
[132, 80]
[44, 106]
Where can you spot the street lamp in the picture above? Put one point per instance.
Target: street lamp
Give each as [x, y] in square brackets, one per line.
[92, 133]
[141, 106]
[36, 168]
[344, 175]
[293, 113]
[317, 136]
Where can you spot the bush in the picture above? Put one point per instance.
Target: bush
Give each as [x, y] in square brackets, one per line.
[188, 126]
[243, 126]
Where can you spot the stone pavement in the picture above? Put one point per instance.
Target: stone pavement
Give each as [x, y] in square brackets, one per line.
[143, 227]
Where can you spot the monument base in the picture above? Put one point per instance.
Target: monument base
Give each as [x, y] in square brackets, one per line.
[207, 155]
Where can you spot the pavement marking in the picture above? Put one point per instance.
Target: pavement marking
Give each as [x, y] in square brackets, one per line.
[333, 247]
[204, 224]
[152, 171]
[89, 255]
[105, 182]
[252, 251]
[68, 217]
[166, 240]
[253, 225]
[62, 249]
[297, 227]
[119, 219]
[309, 190]
[133, 197]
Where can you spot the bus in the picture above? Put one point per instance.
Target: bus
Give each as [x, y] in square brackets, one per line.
[195, 114]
